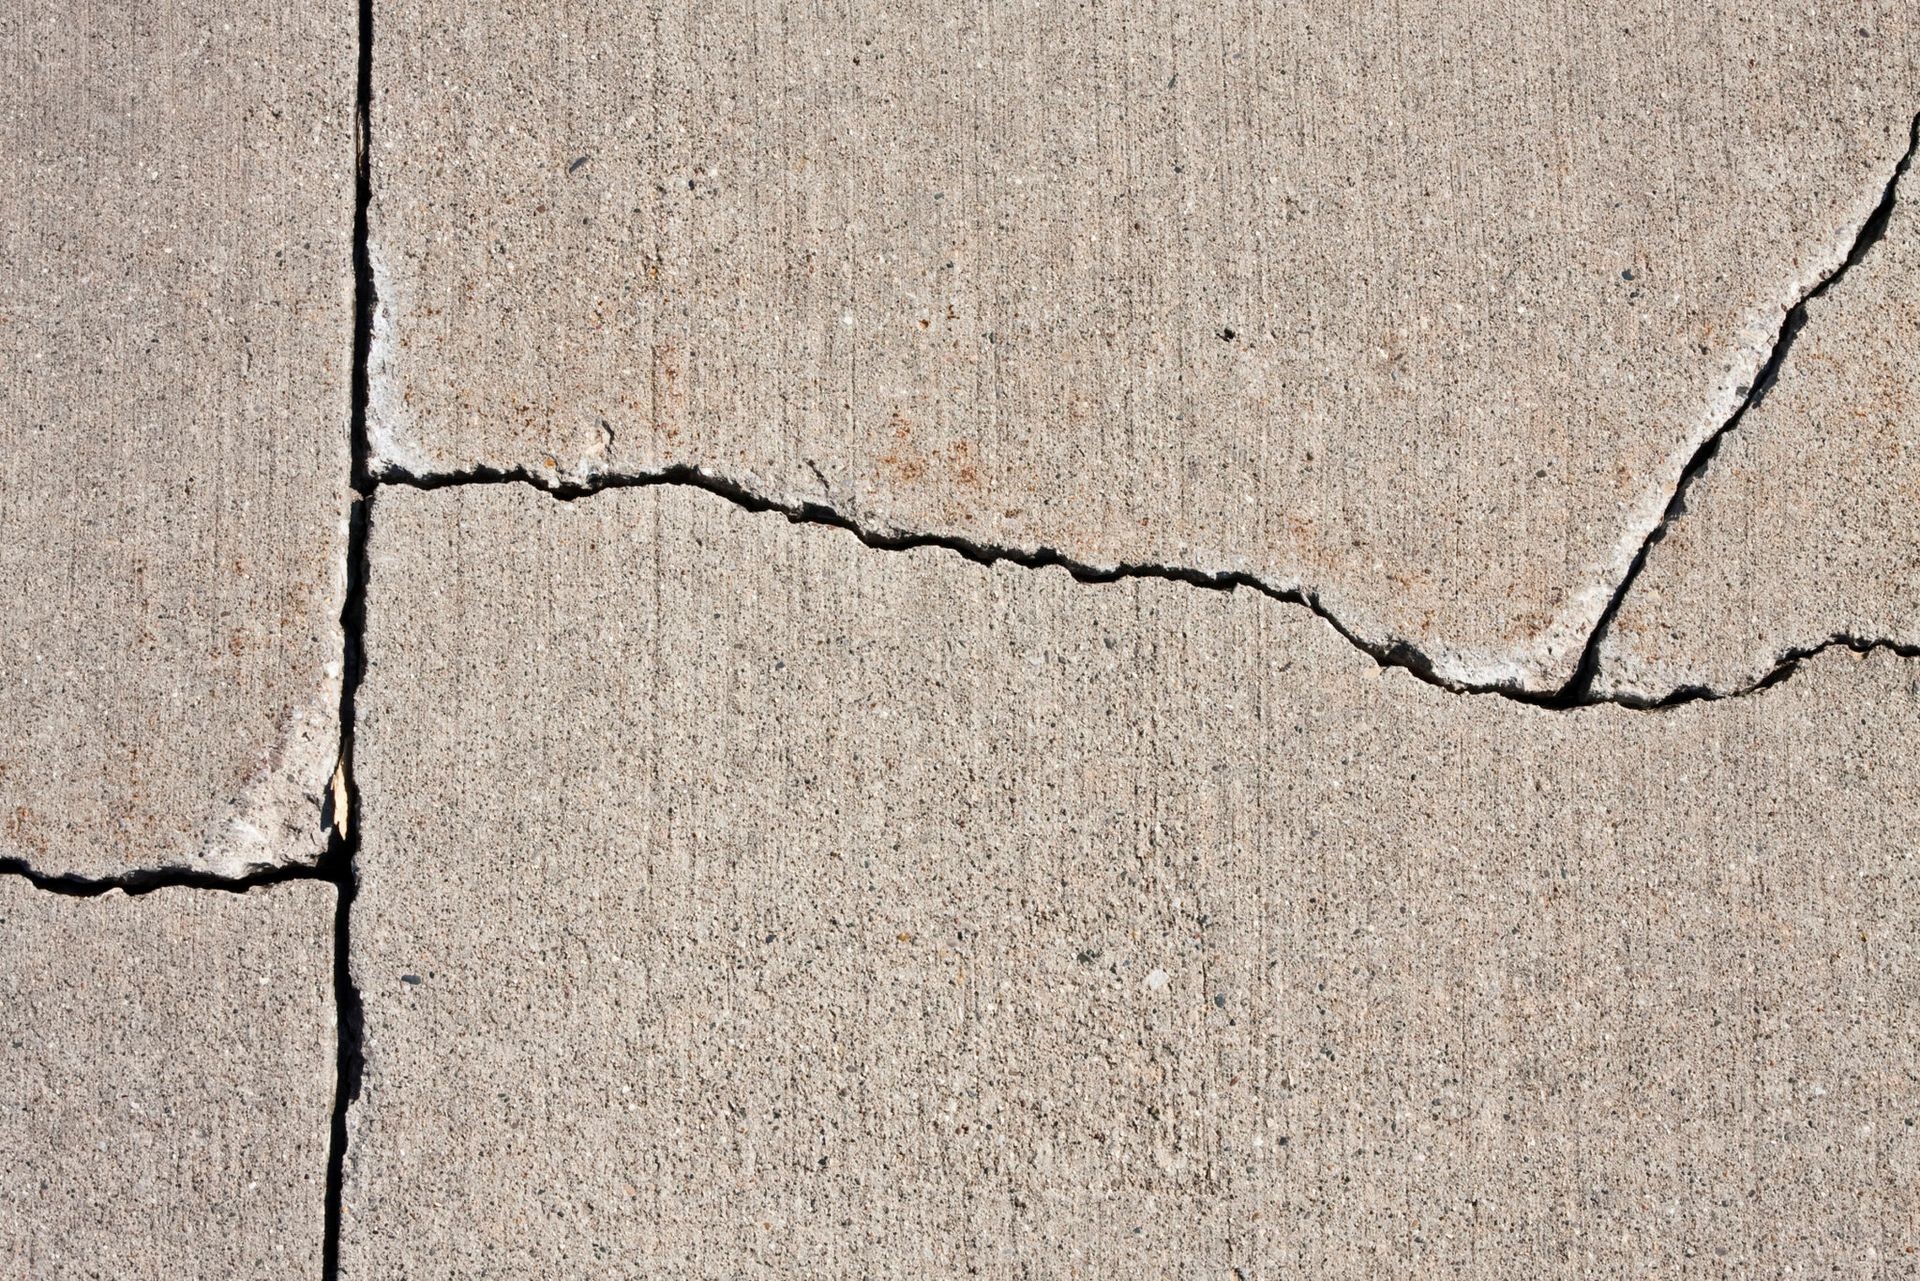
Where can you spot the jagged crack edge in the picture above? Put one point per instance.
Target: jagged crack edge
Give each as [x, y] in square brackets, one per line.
[1397, 653]
[139, 881]
[341, 863]
[1391, 655]
[1782, 670]
[343, 848]
[1578, 691]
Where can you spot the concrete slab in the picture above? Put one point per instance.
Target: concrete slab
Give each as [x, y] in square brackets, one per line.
[176, 196]
[1418, 308]
[738, 900]
[1806, 525]
[166, 1082]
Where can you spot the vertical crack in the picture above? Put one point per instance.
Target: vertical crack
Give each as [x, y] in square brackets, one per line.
[343, 846]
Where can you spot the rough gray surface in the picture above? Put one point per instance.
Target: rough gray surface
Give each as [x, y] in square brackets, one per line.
[166, 1078]
[1416, 309]
[176, 196]
[1806, 525]
[740, 901]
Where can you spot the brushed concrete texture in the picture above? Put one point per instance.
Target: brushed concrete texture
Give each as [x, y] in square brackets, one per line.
[166, 1082]
[740, 901]
[1418, 306]
[176, 199]
[1806, 525]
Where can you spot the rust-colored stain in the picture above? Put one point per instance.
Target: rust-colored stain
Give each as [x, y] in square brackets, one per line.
[22, 828]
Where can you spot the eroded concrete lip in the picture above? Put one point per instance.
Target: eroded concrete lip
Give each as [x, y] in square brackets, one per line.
[1798, 538]
[173, 443]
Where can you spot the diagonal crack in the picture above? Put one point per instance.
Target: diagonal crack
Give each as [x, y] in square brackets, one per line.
[341, 813]
[1579, 688]
[341, 816]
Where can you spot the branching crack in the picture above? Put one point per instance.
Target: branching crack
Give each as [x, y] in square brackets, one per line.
[1579, 689]
[1394, 654]
[341, 811]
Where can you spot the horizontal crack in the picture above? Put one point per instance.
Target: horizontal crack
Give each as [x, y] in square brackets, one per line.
[1397, 655]
[147, 880]
[1783, 668]
[1579, 689]
[1790, 660]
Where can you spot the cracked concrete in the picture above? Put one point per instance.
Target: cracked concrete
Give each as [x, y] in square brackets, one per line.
[166, 1072]
[917, 577]
[1807, 524]
[1280, 293]
[736, 900]
[174, 330]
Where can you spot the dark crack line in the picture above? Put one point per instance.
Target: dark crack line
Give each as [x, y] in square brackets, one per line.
[337, 865]
[1579, 687]
[342, 854]
[340, 810]
[1578, 690]
[344, 843]
[1395, 654]
[147, 880]
[1789, 662]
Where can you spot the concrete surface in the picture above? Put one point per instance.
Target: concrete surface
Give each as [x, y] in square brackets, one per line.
[1806, 525]
[166, 1082]
[176, 195]
[740, 901]
[735, 899]
[1419, 306]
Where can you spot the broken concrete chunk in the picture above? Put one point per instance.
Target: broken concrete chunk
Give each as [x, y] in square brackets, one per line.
[166, 1082]
[883, 914]
[1422, 315]
[1805, 526]
[175, 331]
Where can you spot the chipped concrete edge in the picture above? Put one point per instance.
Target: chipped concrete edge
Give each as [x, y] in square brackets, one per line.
[1614, 674]
[275, 827]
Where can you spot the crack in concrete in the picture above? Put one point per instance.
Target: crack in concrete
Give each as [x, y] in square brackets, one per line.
[344, 842]
[1397, 654]
[1789, 662]
[145, 880]
[340, 810]
[1579, 687]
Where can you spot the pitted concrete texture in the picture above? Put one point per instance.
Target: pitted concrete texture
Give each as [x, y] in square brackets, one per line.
[175, 340]
[737, 900]
[1416, 307]
[1806, 525]
[166, 1081]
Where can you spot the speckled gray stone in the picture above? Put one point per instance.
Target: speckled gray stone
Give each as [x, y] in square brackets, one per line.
[740, 901]
[1420, 306]
[1806, 525]
[166, 1083]
[176, 203]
